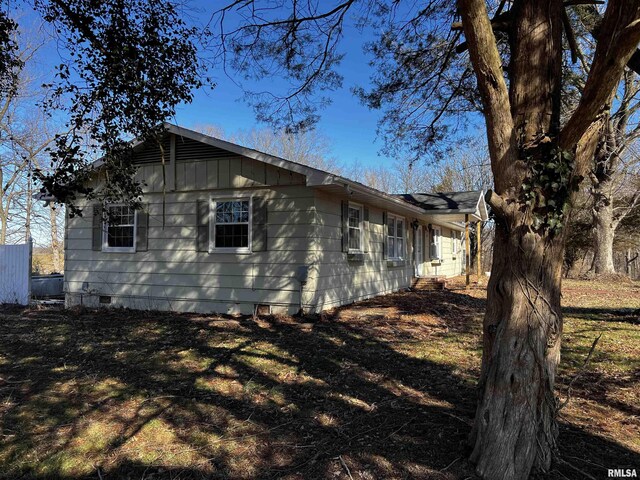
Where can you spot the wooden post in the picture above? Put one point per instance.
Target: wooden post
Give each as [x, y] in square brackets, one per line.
[467, 249]
[479, 248]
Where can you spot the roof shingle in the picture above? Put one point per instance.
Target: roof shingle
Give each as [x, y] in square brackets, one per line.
[445, 202]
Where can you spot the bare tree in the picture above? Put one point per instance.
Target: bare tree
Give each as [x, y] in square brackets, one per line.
[616, 168]
[398, 176]
[308, 147]
[24, 136]
[467, 168]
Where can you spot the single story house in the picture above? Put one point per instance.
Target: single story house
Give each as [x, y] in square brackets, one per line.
[235, 230]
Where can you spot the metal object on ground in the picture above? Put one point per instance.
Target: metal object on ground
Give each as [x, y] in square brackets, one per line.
[47, 286]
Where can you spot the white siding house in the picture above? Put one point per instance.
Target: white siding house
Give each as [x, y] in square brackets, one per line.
[237, 231]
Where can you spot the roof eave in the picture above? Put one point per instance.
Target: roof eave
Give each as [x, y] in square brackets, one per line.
[391, 202]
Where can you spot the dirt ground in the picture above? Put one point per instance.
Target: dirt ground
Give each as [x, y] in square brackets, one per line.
[384, 388]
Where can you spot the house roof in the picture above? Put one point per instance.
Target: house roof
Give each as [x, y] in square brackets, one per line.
[470, 202]
[337, 184]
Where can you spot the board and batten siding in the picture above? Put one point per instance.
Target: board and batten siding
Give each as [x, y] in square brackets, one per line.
[171, 274]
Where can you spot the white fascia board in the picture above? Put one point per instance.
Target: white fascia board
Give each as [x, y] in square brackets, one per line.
[392, 202]
[481, 213]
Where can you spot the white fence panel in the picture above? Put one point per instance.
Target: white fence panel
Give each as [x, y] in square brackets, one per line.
[15, 273]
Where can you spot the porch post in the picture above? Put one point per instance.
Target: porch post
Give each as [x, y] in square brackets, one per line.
[479, 248]
[414, 227]
[467, 249]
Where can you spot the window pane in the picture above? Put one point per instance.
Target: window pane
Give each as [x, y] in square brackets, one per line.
[127, 217]
[392, 247]
[232, 212]
[392, 227]
[400, 229]
[232, 224]
[354, 238]
[436, 243]
[354, 228]
[232, 236]
[354, 217]
[221, 216]
[120, 226]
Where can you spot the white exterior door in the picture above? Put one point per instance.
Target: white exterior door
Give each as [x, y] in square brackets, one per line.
[419, 252]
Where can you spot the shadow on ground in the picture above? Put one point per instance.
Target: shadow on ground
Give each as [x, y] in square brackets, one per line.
[372, 391]
[625, 315]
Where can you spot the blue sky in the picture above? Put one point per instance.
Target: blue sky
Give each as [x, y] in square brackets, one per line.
[349, 125]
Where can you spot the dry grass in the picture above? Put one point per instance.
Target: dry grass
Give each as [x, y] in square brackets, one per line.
[381, 389]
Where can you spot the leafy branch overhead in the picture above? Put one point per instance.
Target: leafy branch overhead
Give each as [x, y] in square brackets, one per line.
[126, 65]
[422, 76]
[10, 61]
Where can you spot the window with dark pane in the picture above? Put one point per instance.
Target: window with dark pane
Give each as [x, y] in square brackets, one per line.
[232, 224]
[399, 238]
[391, 238]
[355, 228]
[395, 238]
[435, 243]
[120, 226]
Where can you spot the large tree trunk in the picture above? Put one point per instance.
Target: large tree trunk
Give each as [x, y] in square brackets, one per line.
[604, 226]
[515, 420]
[515, 426]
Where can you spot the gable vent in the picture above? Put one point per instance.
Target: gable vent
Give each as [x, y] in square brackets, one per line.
[187, 149]
[149, 152]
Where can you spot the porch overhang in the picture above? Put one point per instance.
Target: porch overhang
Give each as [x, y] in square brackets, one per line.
[451, 207]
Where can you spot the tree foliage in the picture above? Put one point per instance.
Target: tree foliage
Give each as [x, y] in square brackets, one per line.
[10, 61]
[125, 66]
[420, 79]
[425, 87]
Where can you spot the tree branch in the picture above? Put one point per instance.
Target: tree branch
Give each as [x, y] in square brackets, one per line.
[487, 64]
[499, 205]
[615, 47]
[571, 39]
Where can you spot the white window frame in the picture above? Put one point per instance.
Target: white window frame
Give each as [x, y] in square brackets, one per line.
[360, 208]
[213, 202]
[438, 243]
[105, 231]
[394, 219]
